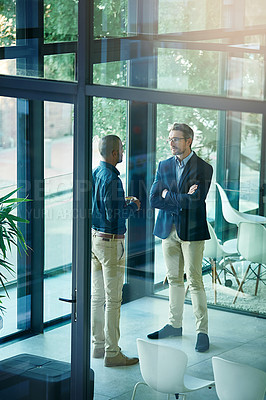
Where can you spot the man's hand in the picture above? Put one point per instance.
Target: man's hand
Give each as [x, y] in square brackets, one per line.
[164, 193]
[136, 201]
[192, 189]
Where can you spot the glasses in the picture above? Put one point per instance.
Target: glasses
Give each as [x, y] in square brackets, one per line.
[175, 139]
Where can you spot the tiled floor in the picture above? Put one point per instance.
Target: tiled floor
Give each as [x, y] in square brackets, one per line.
[233, 336]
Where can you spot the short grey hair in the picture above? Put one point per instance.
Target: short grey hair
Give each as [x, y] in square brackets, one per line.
[187, 131]
[107, 144]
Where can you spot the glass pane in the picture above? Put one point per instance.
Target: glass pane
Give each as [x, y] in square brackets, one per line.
[244, 134]
[8, 183]
[60, 20]
[205, 126]
[110, 117]
[221, 139]
[113, 73]
[188, 71]
[255, 12]
[8, 23]
[38, 367]
[193, 51]
[251, 135]
[192, 15]
[58, 159]
[199, 71]
[61, 67]
[110, 18]
[35, 50]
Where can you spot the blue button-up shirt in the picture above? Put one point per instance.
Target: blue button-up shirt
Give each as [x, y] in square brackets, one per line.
[109, 208]
[180, 166]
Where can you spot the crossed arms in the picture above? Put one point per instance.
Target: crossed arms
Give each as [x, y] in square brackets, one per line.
[168, 198]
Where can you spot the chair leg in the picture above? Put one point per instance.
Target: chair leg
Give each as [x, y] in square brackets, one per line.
[258, 279]
[217, 277]
[241, 284]
[135, 388]
[236, 278]
[214, 279]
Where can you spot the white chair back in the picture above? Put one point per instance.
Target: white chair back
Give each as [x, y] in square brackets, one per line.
[251, 242]
[230, 214]
[212, 248]
[162, 368]
[234, 381]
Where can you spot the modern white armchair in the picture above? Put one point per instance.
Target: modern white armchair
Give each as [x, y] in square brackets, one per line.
[219, 257]
[251, 244]
[163, 368]
[234, 381]
[234, 216]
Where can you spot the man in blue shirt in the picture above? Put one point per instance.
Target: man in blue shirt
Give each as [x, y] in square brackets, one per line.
[109, 214]
[179, 191]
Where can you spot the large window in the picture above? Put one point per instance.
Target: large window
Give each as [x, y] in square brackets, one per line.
[41, 40]
[131, 68]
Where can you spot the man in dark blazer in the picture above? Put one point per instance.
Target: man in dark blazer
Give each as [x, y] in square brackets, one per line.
[179, 191]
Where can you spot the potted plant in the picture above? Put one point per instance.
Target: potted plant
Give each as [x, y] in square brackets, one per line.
[10, 235]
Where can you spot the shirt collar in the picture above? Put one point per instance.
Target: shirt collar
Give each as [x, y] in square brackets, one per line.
[105, 164]
[184, 162]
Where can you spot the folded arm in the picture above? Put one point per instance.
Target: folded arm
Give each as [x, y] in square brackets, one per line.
[163, 198]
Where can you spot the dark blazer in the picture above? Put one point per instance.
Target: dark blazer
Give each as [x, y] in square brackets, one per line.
[186, 211]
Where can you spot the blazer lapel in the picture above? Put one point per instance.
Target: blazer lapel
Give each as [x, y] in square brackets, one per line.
[172, 174]
[192, 162]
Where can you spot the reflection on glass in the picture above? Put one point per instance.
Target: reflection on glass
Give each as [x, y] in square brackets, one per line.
[255, 12]
[192, 15]
[112, 73]
[58, 159]
[27, 54]
[60, 20]
[188, 71]
[8, 183]
[192, 71]
[251, 131]
[61, 67]
[110, 117]
[246, 76]
[110, 18]
[7, 23]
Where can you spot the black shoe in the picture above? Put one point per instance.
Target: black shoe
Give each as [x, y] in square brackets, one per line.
[166, 331]
[202, 342]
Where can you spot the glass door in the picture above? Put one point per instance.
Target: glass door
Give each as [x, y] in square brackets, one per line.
[37, 161]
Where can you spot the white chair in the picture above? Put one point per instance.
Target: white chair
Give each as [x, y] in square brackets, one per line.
[163, 369]
[234, 381]
[220, 254]
[234, 216]
[251, 244]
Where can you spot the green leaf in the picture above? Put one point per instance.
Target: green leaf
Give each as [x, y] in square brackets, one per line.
[2, 244]
[2, 199]
[10, 235]
[15, 200]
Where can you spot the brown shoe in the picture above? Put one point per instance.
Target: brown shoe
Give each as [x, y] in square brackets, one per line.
[98, 353]
[120, 360]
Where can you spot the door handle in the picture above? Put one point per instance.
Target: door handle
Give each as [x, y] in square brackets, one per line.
[72, 301]
[67, 300]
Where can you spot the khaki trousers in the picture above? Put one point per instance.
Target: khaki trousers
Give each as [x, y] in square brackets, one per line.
[108, 268]
[184, 256]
